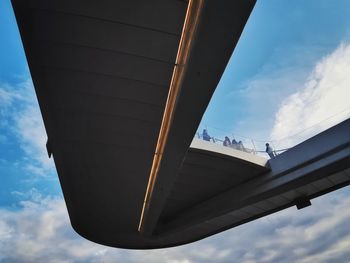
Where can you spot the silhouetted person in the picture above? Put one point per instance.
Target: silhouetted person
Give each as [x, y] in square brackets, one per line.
[270, 151]
[240, 146]
[234, 144]
[206, 136]
[227, 141]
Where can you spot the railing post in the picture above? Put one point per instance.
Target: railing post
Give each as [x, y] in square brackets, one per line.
[253, 145]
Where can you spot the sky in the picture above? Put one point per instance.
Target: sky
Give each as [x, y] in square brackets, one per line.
[287, 48]
[287, 80]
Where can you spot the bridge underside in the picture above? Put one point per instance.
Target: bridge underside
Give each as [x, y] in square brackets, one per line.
[308, 170]
[102, 73]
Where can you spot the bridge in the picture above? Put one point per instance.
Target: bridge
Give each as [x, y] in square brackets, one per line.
[122, 86]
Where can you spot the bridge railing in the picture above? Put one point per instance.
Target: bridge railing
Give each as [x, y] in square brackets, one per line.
[279, 144]
[242, 144]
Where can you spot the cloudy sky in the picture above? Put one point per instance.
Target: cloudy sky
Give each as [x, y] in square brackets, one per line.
[287, 80]
[292, 61]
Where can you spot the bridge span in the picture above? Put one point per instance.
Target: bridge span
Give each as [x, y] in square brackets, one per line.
[122, 87]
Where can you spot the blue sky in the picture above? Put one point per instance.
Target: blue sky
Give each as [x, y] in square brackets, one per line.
[289, 74]
[17, 99]
[281, 45]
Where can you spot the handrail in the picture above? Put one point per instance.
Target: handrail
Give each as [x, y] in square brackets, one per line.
[186, 41]
[239, 146]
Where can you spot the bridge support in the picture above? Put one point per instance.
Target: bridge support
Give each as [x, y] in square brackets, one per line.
[302, 202]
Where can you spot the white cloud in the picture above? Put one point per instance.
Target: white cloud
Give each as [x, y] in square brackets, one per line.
[19, 113]
[291, 93]
[334, 252]
[5, 97]
[259, 96]
[321, 103]
[31, 131]
[40, 232]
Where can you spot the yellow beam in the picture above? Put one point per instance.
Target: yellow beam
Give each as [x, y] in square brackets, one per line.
[190, 24]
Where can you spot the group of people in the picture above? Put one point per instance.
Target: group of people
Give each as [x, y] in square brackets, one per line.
[234, 144]
[237, 145]
[227, 142]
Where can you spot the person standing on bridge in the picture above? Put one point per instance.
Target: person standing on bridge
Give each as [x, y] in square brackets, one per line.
[227, 141]
[234, 144]
[240, 146]
[206, 136]
[270, 151]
